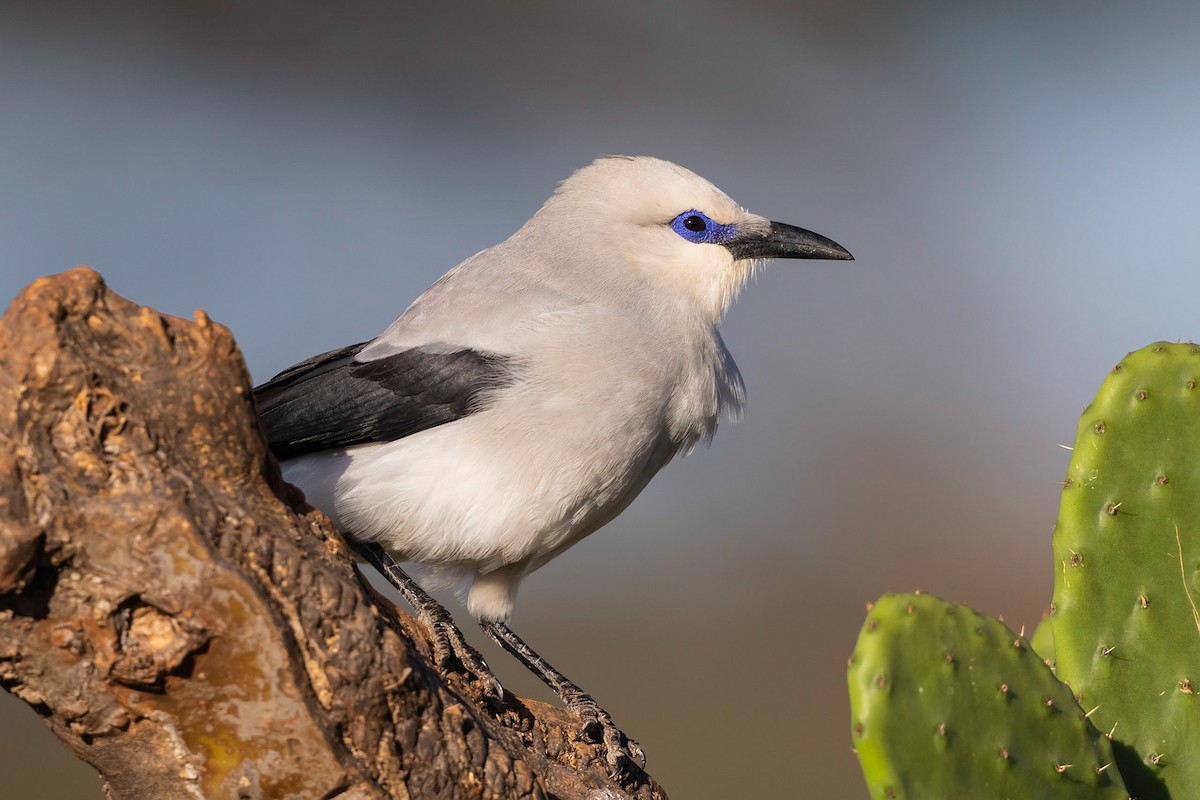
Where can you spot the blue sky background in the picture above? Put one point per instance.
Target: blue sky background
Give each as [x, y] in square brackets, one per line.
[1020, 187]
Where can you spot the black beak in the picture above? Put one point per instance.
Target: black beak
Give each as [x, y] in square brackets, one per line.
[786, 241]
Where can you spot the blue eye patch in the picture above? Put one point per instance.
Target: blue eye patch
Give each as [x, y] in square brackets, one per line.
[696, 226]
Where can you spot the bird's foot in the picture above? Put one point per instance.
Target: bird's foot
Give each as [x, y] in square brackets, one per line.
[449, 645]
[621, 753]
[451, 650]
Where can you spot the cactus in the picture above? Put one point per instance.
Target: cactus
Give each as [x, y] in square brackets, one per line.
[949, 703]
[1127, 577]
[1123, 633]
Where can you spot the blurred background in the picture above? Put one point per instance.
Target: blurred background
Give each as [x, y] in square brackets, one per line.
[1020, 187]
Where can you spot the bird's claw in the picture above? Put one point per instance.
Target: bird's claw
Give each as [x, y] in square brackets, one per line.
[622, 754]
[451, 650]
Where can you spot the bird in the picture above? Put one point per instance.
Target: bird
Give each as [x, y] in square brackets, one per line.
[529, 395]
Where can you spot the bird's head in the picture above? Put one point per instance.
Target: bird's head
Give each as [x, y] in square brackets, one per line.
[676, 229]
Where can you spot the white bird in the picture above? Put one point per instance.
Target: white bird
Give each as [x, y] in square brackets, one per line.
[529, 395]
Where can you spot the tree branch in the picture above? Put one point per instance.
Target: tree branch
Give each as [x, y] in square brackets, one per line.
[183, 621]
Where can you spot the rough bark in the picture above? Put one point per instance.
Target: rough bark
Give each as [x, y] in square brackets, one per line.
[183, 621]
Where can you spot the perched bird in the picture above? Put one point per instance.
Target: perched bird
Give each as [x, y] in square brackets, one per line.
[529, 395]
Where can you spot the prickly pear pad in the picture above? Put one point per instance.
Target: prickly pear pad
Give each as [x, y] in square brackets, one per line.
[1127, 561]
[949, 703]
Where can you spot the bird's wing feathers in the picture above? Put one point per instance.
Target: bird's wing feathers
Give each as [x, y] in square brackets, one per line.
[306, 370]
[333, 400]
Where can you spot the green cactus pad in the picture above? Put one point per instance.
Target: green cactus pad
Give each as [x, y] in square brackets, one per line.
[1127, 568]
[948, 703]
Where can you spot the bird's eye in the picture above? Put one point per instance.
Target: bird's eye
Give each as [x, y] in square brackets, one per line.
[698, 227]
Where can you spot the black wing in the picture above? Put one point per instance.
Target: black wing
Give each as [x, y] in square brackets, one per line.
[332, 401]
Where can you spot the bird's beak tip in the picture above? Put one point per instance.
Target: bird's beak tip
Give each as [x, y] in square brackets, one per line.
[788, 241]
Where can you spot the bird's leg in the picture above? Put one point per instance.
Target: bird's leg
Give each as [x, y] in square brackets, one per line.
[448, 641]
[619, 750]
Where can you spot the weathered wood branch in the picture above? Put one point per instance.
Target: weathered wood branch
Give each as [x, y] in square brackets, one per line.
[183, 621]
